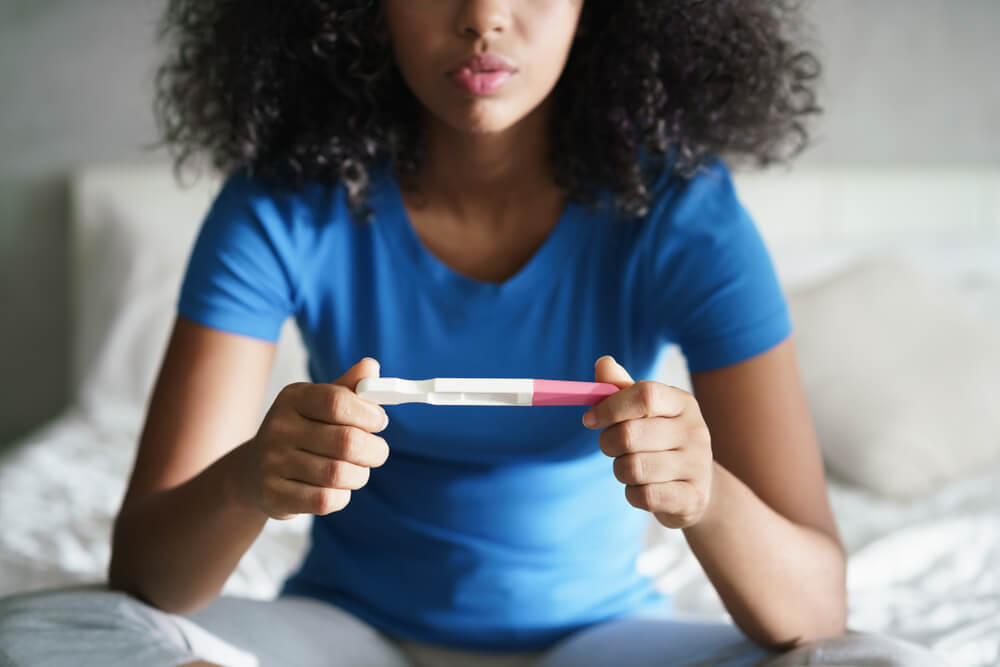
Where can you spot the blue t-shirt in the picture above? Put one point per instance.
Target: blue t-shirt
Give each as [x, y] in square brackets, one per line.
[488, 527]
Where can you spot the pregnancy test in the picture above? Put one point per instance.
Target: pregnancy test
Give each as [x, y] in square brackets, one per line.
[483, 391]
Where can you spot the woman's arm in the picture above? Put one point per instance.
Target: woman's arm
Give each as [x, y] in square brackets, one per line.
[768, 540]
[748, 490]
[181, 531]
[206, 478]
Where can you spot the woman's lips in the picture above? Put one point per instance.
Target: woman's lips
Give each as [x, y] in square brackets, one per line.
[482, 74]
[480, 83]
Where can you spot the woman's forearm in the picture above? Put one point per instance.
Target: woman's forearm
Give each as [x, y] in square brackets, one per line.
[783, 583]
[176, 548]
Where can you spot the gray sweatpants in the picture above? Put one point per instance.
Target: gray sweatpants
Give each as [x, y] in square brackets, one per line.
[96, 627]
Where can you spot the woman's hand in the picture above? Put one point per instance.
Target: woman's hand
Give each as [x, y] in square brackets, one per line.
[314, 447]
[660, 443]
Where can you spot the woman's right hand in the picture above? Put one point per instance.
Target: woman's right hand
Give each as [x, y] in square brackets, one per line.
[315, 445]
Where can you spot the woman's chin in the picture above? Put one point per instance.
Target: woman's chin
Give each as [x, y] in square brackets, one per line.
[483, 128]
[483, 117]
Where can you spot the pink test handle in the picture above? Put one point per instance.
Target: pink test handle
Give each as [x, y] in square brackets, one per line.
[566, 392]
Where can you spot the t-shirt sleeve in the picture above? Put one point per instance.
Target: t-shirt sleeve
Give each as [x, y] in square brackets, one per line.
[239, 276]
[720, 298]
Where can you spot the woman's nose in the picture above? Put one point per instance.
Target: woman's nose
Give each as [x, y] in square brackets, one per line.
[480, 18]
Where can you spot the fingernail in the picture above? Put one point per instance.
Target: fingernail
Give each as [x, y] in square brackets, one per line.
[589, 419]
[385, 424]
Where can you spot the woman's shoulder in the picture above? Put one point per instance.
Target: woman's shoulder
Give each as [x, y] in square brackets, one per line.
[686, 199]
[310, 202]
[258, 216]
[693, 208]
[252, 214]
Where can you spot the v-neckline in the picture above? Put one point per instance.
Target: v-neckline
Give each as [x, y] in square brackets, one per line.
[547, 260]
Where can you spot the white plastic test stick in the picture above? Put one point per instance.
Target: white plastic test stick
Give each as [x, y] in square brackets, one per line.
[483, 391]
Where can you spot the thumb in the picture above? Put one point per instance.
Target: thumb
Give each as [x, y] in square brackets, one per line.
[366, 368]
[608, 370]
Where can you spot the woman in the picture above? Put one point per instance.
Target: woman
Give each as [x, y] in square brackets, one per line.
[474, 188]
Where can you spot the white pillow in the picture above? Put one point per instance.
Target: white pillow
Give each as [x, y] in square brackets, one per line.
[133, 227]
[902, 376]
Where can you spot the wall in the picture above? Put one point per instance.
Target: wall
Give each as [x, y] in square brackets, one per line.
[75, 82]
[909, 81]
[906, 81]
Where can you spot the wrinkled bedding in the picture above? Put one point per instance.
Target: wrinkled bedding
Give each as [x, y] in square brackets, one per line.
[59, 490]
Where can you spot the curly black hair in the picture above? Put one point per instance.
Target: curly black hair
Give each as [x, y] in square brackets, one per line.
[309, 91]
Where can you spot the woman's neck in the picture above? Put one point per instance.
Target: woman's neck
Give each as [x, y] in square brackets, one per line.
[487, 178]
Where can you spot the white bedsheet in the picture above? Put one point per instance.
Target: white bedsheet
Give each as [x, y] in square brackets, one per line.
[59, 491]
[926, 570]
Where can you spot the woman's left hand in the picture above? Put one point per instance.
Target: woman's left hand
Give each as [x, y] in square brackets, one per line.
[660, 443]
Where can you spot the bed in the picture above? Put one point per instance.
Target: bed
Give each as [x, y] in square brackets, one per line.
[893, 276]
